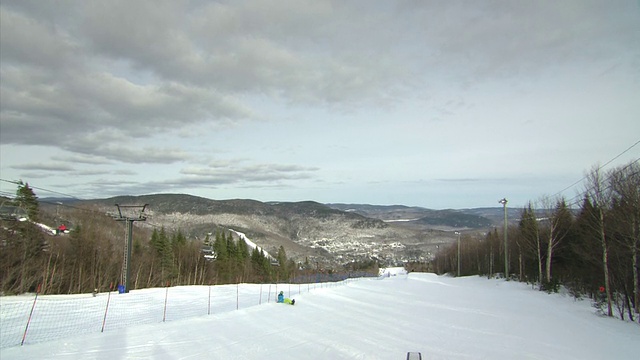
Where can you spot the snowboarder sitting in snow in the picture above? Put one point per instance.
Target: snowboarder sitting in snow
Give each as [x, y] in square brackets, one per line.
[281, 299]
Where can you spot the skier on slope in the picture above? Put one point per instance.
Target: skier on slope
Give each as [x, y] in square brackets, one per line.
[281, 297]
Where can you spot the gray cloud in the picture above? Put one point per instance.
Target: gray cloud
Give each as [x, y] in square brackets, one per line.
[35, 111]
[225, 173]
[94, 172]
[60, 167]
[119, 83]
[82, 159]
[130, 154]
[29, 41]
[461, 180]
[77, 67]
[256, 176]
[510, 38]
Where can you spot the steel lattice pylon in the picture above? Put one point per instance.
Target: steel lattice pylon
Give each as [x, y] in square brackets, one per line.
[132, 213]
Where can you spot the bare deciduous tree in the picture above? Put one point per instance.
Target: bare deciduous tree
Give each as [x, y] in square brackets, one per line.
[600, 194]
[558, 220]
[530, 236]
[626, 191]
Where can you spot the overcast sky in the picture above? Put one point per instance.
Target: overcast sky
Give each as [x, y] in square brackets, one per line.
[440, 104]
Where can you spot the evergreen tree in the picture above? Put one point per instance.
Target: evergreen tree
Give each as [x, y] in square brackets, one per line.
[155, 241]
[282, 262]
[585, 259]
[178, 240]
[163, 251]
[180, 253]
[27, 200]
[21, 257]
[232, 248]
[220, 248]
[243, 251]
[23, 246]
[262, 265]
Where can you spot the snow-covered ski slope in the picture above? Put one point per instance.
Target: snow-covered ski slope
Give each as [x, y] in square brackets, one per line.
[251, 244]
[439, 316]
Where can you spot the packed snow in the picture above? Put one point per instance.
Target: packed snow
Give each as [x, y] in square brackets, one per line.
[372, 318]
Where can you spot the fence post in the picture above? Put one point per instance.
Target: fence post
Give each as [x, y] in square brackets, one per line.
[209, 305]
[24, 336]
[104, 319]
[166, 295]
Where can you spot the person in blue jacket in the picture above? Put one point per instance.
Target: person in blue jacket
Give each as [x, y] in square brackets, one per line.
[281, 297]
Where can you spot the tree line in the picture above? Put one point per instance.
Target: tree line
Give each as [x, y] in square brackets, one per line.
[91, 256]
[589, 246]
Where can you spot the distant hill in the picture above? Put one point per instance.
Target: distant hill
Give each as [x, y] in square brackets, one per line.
[309, 231]
[449, 218]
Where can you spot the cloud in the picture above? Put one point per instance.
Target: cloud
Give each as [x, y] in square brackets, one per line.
[114, 87]
[460, 180]
[219, 174]
[81, 71]
[226, 173]
[62, 167]
[261, 47]
[193, 181]
[37, 112]
[109, 144]
[498, 39]
[27, 41]
[57, 91]
[82, 159]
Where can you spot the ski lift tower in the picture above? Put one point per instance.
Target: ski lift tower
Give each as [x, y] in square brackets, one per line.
[130, 214]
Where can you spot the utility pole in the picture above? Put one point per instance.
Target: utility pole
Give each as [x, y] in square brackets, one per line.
[506, 254]
[136, 213]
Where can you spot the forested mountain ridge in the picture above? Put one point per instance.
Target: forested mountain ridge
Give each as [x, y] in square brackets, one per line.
[328, 234]
[184, 239]
[305, 229]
